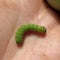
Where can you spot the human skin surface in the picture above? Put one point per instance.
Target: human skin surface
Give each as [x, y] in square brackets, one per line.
[13, 14]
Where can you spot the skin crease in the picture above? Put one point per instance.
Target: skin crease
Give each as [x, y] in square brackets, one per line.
[14, 13]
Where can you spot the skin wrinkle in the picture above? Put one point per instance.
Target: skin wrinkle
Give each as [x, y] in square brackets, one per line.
[11, 22]
[9, 40]
[6, 47]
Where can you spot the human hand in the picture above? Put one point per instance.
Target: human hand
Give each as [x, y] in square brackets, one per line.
[14, 13]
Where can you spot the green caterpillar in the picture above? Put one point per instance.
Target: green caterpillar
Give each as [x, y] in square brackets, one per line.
[28, 27]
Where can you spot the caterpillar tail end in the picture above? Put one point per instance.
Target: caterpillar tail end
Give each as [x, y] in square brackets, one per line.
[18, 39]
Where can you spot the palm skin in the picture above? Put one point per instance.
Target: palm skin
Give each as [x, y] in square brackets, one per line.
[14, 13]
